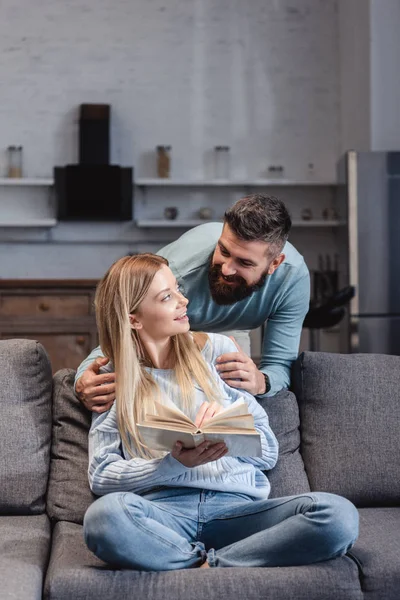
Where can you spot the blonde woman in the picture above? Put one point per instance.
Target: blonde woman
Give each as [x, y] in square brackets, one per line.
[187, 508]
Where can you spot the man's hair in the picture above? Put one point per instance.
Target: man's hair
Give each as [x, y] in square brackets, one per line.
[259, 217]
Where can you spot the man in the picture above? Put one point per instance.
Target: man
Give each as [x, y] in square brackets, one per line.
[237, 276]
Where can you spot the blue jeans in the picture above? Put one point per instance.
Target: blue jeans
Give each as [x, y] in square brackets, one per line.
[180, 528]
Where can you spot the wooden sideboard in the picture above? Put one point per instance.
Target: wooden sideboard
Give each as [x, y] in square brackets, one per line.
[57, 313]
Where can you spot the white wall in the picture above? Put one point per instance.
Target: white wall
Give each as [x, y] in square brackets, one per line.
[262, 77]
[259, 76]
[385, 80]
[355, 74]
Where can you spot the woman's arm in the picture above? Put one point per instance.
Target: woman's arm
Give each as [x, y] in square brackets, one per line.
[269, 443]
[110, 472]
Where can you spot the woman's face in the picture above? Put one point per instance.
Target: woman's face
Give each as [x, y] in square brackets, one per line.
[162, 313]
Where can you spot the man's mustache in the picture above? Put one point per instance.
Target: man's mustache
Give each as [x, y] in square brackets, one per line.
[230, 278]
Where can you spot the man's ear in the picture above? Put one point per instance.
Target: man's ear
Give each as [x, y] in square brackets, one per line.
[135, 324]
[275, 263]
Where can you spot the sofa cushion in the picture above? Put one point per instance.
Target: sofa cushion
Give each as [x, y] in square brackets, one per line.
[288, 477]
[350, 415]
[25, 426]
[75, 573]
[24, 553]
[377, 553]
[68, 494]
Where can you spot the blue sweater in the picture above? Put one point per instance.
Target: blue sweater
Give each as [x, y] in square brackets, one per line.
[111, 469]
[283, 301]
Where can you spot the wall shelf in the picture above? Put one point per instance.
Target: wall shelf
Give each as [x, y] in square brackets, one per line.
[36, 181]
[229, 183]
[171, 222]
[26, 181]
[31, 223]
[318, 223]
[194, 222]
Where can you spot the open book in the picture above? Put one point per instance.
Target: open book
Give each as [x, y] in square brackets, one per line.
[233, 425]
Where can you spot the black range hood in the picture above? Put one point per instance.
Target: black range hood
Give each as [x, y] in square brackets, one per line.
[94, 190]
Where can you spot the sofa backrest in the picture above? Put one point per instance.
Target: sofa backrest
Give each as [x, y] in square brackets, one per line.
[69, 494]
[288, 477]
[350, 424]
[25, 426]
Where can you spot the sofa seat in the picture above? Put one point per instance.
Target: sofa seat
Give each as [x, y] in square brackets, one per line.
[24, 552]
[75, 573]
[377, 552]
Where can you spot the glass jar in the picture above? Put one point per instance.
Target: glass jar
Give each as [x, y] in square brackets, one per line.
[14, 158]
[221, 162]
[164, 161]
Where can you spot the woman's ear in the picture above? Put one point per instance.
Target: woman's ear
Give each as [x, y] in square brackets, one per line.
[135, 324]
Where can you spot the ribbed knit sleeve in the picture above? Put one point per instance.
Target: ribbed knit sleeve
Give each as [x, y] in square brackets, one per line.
[110, 472]
[221, 344]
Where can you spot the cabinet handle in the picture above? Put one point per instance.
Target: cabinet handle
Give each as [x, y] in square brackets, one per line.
[80, 340]
[44, 307]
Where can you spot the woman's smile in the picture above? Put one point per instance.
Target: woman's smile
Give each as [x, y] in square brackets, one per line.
[183, 317]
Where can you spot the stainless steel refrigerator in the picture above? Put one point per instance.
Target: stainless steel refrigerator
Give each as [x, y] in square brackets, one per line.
[369, 187]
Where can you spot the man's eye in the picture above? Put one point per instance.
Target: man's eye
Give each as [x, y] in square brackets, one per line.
[224, 252]
[245, 264]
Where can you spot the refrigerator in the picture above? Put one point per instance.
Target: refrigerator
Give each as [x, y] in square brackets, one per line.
[369, 189]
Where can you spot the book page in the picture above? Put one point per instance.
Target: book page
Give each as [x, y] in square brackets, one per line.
[239, 407]
[172, 413]
[164, 439]
[175, 425]
[242, 421]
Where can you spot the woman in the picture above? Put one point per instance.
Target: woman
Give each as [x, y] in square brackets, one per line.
[187, 508]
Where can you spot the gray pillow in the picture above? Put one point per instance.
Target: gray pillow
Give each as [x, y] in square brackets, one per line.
[350, 415]
[25, 426]
[288, 477]
[68, 494]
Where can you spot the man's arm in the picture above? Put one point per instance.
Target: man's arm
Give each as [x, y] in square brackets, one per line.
[96, 353]
[282, 335]
[95, 389]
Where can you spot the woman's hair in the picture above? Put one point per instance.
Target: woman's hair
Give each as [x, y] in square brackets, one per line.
[119, 294]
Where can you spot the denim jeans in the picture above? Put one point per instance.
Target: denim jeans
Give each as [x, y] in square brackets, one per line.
[180, 528]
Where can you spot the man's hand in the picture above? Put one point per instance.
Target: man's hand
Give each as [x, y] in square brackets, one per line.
[96, 392]
[204, 453]
[239, 371]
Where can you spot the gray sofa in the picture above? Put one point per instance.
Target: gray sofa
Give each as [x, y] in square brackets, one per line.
[344, 417]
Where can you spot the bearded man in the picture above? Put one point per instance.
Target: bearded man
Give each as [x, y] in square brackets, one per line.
[237, 275]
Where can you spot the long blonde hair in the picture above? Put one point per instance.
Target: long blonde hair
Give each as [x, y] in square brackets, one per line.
[118, 295]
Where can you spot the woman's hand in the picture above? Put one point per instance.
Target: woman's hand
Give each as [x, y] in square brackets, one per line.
[204, 453]
[206, 411]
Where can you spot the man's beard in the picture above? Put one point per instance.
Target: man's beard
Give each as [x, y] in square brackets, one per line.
[224, 293]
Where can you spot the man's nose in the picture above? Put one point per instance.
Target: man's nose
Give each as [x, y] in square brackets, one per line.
[228, 268]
